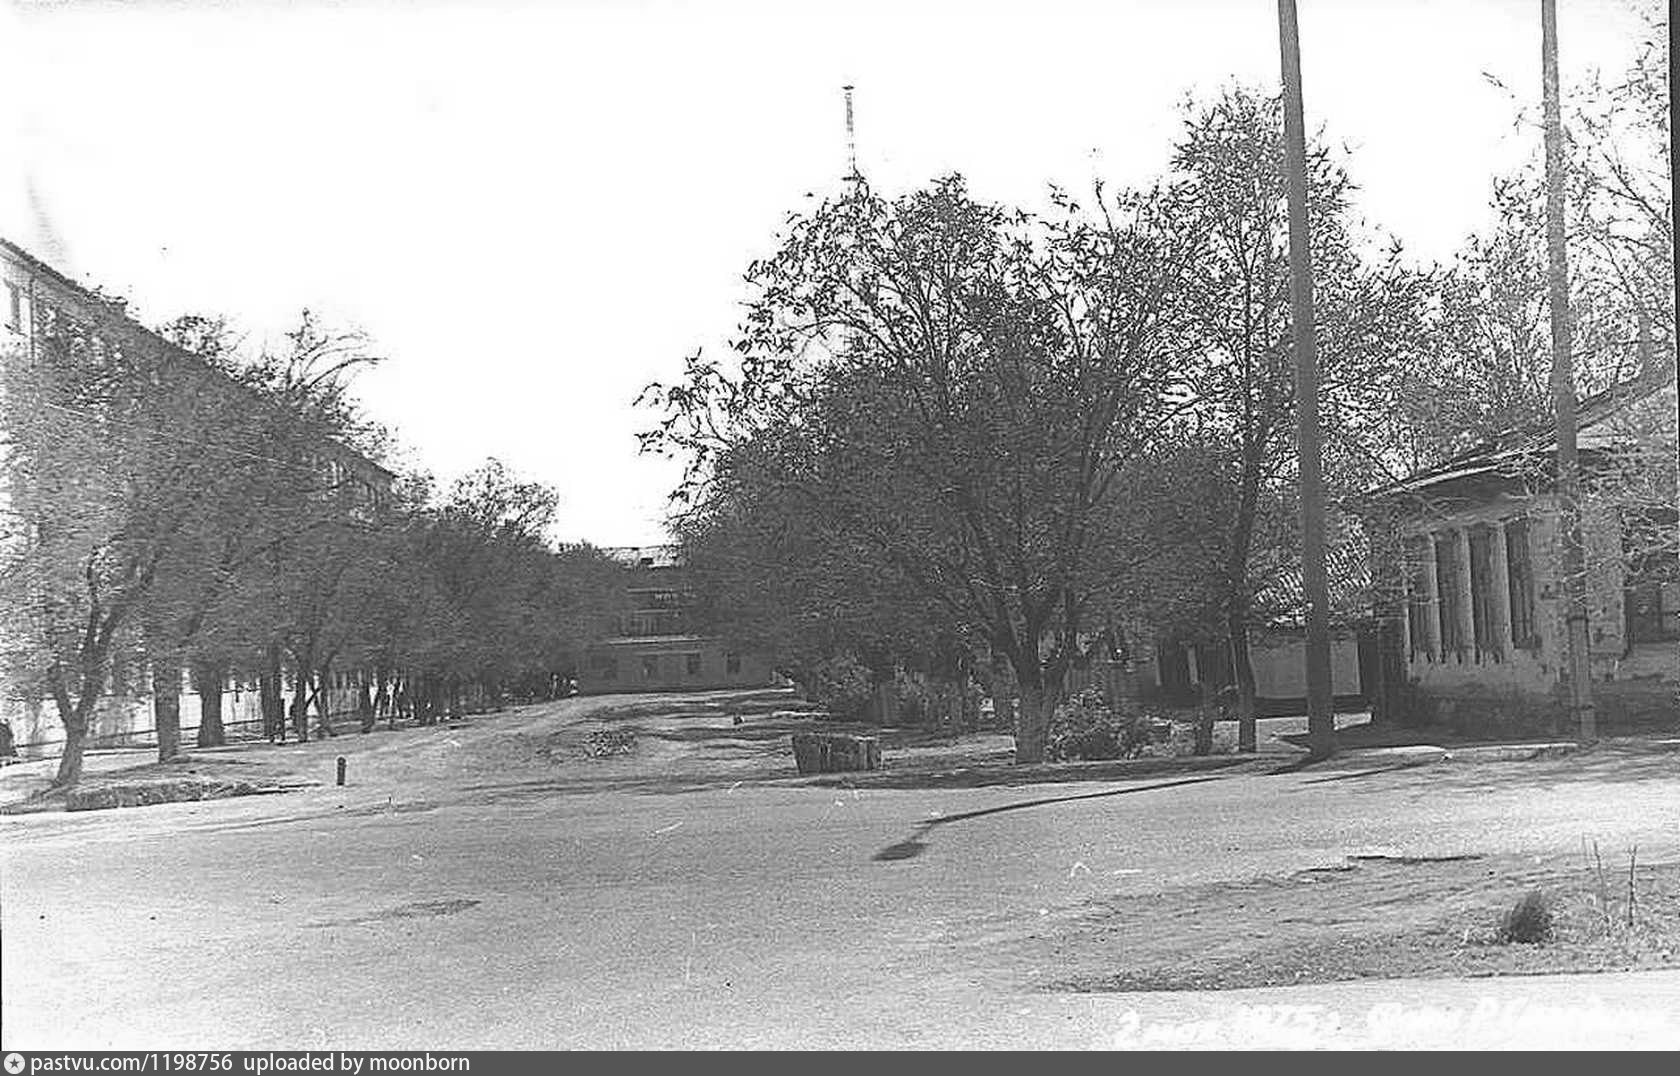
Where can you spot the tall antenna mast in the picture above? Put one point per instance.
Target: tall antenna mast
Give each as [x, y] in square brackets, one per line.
[851, 139]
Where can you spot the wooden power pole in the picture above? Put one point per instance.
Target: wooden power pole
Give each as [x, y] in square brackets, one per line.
[1674, 183]
[1321, 718]
[1563, 390]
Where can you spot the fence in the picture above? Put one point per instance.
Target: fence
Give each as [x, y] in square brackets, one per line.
[129, 721]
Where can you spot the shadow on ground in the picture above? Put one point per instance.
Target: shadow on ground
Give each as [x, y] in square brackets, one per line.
[1382, 734]
[1603, 764]
[916, 843]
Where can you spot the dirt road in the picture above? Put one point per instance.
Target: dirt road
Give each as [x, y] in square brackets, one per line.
[488, 886]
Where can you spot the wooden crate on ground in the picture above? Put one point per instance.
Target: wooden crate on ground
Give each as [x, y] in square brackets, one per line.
[832, 752]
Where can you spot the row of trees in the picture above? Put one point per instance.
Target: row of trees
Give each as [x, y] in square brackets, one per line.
[963, 438]
[176, 507]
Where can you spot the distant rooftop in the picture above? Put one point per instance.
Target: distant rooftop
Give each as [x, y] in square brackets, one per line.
[1595, 425]
[668, 555]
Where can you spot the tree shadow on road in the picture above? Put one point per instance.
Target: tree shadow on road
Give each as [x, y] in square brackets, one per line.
[916, 844]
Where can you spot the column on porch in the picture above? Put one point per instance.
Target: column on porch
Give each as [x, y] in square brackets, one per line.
[1432, 594]
[1499, 588]
[1466, 599]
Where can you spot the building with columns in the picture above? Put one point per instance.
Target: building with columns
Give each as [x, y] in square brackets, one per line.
[1471, 554]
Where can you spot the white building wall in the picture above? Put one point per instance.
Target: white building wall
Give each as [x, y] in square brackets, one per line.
[1280, 664]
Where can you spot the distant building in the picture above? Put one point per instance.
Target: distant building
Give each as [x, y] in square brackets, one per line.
[1476, 626]
[1181, 673]
[39, 306]
[655, 648]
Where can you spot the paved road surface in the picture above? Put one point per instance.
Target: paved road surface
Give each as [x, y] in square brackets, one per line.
[468, 891]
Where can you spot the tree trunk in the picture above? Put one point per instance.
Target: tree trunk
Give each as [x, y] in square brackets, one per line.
[1032, 729]
[1000, 686]
[323, 700]
[270, 700]
[382, 702]
[207, 681]
[425, 698]
[76, 719]
[1242, 667]
[166, 704]
[300, 705]
[1236, 583]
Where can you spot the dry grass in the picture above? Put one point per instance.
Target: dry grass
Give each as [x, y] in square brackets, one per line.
[1370, 919]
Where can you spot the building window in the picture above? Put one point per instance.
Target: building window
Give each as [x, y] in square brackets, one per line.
[1653, 612]
[1451, 595]
[732, 664]
[14, 308]
[1519, 572]
[691, 663]
[650, 666]
[609, 669]
[1481, 592]
[1417, 597]
[1651, 586]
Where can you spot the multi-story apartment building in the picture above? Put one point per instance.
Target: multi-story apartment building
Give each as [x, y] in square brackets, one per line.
[40, 306]
[656, 648]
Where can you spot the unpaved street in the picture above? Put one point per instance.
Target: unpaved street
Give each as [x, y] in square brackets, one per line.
[488, 886]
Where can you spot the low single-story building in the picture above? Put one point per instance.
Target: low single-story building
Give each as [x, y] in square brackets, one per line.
[1183, 672]
[1472, 553]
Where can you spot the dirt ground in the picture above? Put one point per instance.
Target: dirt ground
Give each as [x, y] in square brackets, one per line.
[647, 871]
[1369, 917]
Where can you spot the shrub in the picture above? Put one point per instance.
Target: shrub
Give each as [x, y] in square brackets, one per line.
[1529, 921]
[843, 686]
[609, 742]
[1192, 734]
[1085, 728]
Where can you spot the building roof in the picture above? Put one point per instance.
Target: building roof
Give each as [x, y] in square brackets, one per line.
[1282, 599]
[646, 556]
[1499, 455]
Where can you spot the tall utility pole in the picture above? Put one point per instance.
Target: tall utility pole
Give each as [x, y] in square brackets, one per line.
[851, 139]
[1321, 718]
[1674, 173]
[1563, 390]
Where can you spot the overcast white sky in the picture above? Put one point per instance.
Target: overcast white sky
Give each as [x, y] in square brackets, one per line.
[535, 209]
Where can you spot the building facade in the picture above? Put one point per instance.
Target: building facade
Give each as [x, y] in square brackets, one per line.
[655, 648]
[43, 307]
[1182, 673]
[1473, 551]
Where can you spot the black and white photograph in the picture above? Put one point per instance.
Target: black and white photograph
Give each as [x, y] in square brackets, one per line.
[835, 525]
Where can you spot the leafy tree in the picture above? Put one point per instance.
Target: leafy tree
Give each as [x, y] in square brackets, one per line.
[1230, 190]
[959, 390]
[113, 482]
[488, 600]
